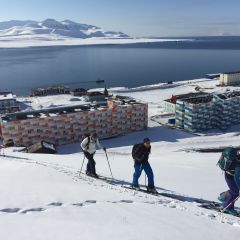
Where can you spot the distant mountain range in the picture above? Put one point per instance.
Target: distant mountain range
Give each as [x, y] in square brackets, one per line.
[54, 29]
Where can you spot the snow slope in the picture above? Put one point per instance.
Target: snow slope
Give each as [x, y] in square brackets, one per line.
[43, 196]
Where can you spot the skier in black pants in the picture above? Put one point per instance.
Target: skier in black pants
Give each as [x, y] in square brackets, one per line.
[89, 145]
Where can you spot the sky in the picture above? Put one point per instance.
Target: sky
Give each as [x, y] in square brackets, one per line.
[138, 18]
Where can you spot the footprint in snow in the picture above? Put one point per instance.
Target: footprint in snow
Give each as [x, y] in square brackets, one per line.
[33, 210]
[77, 204]
[10, 210]
[89, 202]
[55, 204]
[126, 201]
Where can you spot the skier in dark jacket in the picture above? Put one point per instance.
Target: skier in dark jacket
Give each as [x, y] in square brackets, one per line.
[140, 154]
[232, 178]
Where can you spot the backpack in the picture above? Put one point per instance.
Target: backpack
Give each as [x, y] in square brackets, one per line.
[86, 135]
[228, 158]
[135, 153]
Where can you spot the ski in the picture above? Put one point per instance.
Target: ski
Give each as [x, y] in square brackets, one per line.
[218, 208]
[215, 206]
[141, 190]
[172, 196]
[210, 205]
[101, 178]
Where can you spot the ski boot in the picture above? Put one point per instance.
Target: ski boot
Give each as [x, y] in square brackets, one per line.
[137, 188]
[152, 190]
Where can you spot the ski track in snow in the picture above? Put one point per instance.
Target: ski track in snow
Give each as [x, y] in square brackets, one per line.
[141, 198]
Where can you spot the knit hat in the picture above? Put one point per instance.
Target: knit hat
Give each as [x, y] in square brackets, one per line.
[94, 135]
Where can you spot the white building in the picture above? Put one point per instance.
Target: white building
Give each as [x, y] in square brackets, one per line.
[8, 102]
[230, 78]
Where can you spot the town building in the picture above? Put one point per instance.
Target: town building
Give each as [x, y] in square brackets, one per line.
[207, 112]
[230, 78]
[8, 102]
[169, 105]
[54, 90]
[63, 125]
[95, 97]
[78, 92]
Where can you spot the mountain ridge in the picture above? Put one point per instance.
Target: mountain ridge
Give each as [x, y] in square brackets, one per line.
[65, 28]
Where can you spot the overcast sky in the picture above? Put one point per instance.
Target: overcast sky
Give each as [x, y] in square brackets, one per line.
[135, 17]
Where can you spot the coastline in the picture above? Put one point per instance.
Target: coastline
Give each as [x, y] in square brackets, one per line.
[8, 43]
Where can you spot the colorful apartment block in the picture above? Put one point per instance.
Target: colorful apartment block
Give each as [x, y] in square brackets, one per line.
[209, 111]
[65, 125]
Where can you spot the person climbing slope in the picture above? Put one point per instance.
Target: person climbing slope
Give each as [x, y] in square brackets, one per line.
[89, 146]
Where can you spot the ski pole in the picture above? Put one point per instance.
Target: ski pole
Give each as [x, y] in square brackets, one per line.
[82, 166]
[223, 210]
[109, 164]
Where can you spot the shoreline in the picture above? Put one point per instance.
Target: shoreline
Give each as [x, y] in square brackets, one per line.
[32, 43]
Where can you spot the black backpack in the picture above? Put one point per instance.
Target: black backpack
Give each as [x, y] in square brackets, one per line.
[135, 152]
[86, 135]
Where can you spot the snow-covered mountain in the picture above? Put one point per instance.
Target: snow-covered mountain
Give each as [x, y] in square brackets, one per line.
[56, 29]
[21, 34]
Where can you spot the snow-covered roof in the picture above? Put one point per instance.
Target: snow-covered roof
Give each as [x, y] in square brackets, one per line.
[236, 72]
[6, 96]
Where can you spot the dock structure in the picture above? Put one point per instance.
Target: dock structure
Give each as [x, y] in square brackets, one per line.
[63, 125]
[207, 112]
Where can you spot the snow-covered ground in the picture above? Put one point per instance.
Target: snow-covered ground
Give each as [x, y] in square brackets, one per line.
[43, 196]
[55, 40]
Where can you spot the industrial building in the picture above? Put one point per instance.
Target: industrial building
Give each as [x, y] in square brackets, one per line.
[207, 112]
[68, 124]
[230, 78]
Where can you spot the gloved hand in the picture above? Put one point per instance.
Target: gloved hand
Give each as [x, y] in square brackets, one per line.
[104, 149]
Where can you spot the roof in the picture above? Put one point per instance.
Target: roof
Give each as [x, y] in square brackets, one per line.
[49, 111]
[231, 72]
[93, 94]
[79, 90]
[174, 98]
[199, 99]
[228, 95]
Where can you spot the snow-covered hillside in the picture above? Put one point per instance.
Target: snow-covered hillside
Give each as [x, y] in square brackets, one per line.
[50, 32]
[43, 196]
[52, 27]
